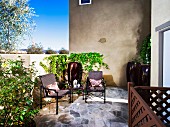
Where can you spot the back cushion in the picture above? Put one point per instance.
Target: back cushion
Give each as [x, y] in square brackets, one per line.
[94, 82]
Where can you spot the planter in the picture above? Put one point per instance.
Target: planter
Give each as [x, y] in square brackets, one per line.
[145, 75]
[138, 73]
[133, 72]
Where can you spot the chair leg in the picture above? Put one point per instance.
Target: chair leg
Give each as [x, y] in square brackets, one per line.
[40, 103]
[104, 97]
[72, 96]
[86, 96]
[83, 93]
[40, 97]
[56, 105]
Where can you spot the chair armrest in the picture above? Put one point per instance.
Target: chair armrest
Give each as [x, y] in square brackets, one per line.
[70, 87]
[103, 82]
[47, 90]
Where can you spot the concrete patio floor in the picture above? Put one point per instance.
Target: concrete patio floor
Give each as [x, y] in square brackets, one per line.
[114, 113]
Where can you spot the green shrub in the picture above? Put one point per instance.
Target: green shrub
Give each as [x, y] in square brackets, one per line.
[16, 86]
[63, 51]
[50, 51]
[35, 49]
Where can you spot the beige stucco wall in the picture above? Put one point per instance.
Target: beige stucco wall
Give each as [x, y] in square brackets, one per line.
[123, 23]
[160, 15]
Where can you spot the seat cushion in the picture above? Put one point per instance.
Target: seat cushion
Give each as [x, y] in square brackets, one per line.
[94, 82]
[53, 86]
[96, 89]
[61, 93]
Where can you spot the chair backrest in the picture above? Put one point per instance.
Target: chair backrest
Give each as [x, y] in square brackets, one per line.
[95, 75]
[47, 79]
[74, 72]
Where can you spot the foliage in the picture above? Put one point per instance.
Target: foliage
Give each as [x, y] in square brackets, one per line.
[90, 61]
[50, 51]
[16, 87]
[63, 51]
[15, 22]
[137, 59]
[57, 64]
[35, 49]
[145, 52]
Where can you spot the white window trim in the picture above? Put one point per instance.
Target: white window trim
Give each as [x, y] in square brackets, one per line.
[161, 29]
[84, 3]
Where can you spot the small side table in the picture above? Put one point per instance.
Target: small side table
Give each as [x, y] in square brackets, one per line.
[75, 89]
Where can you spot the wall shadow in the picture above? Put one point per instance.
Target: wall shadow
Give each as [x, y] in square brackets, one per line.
[109, 80]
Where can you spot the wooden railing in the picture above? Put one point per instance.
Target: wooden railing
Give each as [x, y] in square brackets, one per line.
[148, 106]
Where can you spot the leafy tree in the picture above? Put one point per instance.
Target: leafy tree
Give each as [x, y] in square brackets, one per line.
[15, 22]
[35, 49]
[63, 51]
[50, 51]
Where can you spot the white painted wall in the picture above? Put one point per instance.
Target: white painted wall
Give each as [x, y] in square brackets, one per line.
[160, 14]
[28, 59]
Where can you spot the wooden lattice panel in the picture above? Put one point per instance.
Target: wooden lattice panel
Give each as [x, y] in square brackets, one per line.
[158, 100]
[140, 114]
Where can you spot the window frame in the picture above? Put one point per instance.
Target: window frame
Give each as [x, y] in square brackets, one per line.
[80, 2]
[161, 29]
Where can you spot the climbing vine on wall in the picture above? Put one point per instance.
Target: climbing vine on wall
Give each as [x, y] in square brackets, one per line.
[57, 64]
[90, 61]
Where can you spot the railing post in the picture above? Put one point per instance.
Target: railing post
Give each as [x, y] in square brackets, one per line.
[57, 104]
[130, 84]
[40, 97]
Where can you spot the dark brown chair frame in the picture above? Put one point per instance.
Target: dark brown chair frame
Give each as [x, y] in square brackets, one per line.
[44, 91]
[88, 90]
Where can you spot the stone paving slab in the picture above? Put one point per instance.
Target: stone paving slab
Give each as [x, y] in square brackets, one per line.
[92, 114]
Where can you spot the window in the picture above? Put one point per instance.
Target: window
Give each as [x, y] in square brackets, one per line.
[164, 61]
[84, 2]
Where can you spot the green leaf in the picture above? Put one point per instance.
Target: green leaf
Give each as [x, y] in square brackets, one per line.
[22, 118]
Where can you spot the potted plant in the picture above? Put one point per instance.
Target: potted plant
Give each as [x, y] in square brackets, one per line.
[138, 70]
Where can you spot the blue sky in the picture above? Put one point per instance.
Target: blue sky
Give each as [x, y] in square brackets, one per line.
[52, 24]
